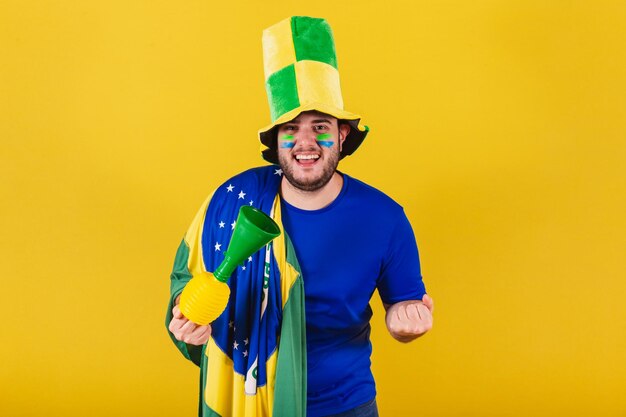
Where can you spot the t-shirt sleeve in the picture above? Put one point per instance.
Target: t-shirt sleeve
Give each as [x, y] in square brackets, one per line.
[401, 278]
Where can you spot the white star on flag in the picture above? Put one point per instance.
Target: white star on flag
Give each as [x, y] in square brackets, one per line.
[230, 323]
[222, 224]
[242, 194]
[249, 258]
[235, 345]
[251, 202]
[230, 188]
[218, 246]
[278, 171]
[243, 268]
[232, 225]
[245, 353]
[245, 342]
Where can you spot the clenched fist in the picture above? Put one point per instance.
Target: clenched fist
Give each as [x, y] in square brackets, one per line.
[408, 320]
[188, 331]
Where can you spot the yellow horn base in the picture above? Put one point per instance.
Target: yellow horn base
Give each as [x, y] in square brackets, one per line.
[204, 299]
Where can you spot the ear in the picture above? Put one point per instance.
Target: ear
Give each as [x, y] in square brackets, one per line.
[344, 130]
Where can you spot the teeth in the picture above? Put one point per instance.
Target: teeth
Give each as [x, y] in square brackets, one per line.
[307, 156]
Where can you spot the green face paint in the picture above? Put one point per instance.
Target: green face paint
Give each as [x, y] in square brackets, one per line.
[289, 144]
[321, 140]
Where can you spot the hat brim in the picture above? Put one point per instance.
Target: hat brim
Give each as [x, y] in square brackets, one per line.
[358, 131]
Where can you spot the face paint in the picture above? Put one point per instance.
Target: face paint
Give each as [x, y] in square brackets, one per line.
[288, 145]
[322, 142]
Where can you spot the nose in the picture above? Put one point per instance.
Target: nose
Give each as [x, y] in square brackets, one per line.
[305, 138]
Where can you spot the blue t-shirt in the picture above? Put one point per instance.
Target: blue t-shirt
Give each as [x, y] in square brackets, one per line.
[362, 241]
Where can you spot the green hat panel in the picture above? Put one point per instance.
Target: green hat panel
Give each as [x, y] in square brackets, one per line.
[282, 91]
[313, 40]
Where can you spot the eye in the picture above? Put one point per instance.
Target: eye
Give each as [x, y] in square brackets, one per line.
[320, 128]
[287, 129]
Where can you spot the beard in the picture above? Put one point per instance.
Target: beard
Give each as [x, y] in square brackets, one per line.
[331, 162]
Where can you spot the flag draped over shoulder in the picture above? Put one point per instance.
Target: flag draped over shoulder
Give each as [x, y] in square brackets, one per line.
[254, 364]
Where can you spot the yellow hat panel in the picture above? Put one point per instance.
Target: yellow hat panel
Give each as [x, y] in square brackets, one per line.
[318, 82]
[278, 47]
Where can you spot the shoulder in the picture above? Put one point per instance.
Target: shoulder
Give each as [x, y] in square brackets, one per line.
[257, 175]
[256, 187]
[370, 205]
[253, 180]
[366, 194]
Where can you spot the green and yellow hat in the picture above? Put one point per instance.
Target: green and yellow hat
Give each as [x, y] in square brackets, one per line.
[300, 75]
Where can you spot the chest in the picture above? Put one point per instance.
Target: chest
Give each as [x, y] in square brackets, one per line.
[340, 256]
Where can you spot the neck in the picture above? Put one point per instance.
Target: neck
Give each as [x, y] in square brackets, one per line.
[312, 200]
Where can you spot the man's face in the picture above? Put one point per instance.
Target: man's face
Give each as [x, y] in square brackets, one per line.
[309, 147]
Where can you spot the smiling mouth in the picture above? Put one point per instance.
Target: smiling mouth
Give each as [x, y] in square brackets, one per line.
[307, 157]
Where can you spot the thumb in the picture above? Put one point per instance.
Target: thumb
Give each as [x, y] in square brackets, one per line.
[428, 302]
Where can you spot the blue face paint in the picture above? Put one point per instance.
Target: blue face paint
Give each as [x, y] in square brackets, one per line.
[287, 145]
[325, 143]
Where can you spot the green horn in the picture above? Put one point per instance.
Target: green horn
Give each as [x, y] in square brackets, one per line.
[206, 295]
[253, 230]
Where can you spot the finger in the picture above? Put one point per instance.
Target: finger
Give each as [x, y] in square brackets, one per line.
[201, 335]
[174, 326]
[402, 313]
[428, 301]
[185, 330]
[199, 331]
[424, 313]
[188, 327]
[176, 312]
[198, 341]
[412, 312]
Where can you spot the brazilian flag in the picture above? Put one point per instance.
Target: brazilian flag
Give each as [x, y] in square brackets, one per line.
[254, 364]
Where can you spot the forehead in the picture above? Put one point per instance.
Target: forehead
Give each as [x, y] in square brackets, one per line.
[312, 117]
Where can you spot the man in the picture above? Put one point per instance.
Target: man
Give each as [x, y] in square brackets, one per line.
[343, 239]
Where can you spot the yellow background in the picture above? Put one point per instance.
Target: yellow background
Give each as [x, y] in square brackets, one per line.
[499, 125]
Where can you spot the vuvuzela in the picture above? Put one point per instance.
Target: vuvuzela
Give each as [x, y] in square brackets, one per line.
[206, 295]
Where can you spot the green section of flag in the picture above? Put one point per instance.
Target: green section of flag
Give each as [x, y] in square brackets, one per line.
[290, 391]
[282, 91]
[179, 277]
[313, 40]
